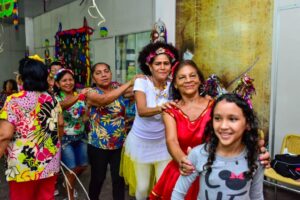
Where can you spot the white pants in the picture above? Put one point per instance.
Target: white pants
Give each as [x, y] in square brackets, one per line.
[143, 177]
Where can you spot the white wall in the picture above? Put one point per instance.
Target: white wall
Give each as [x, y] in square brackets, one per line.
[122, 17]
[14, 50]
[285, 104]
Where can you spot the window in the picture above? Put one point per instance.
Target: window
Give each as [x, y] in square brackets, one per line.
[127, 51]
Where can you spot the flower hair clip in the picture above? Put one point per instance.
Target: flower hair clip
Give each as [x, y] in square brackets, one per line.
[159, 51]
[213, 87]
[245, 89]
[62, 70]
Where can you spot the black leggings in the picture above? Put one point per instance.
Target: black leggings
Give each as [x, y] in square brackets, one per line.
[99, 159]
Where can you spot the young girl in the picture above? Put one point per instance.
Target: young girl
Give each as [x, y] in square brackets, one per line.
[228, 163]
[74, 149]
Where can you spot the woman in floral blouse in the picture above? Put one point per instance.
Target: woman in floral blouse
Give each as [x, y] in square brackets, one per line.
[74, 149]
[29, 126]
[107, 130]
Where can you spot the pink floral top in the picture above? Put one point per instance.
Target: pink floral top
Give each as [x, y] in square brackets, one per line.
[34, 151]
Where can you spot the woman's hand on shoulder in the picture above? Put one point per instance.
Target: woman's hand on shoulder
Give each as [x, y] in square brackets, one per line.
[169, 104]
[135, 77]
[84, 91]
[83, 94]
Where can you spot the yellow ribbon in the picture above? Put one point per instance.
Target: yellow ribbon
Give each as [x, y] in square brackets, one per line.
[37, 57]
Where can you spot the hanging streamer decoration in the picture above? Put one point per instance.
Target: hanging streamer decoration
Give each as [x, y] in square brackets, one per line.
[72, 50]
[95, 13]
[16, 15]
[9, 8]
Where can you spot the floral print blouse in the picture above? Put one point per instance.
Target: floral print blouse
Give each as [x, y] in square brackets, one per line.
[73, 116]
[107, 124]
[34, 151]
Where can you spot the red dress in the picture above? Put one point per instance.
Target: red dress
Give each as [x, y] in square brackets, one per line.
[190, 134]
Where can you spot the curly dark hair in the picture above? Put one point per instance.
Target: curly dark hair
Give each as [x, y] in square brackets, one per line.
[174, 93]
[150, 48]
[250, 137]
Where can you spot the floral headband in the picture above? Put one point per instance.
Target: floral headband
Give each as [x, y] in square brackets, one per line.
[159, 51]
[62, 70]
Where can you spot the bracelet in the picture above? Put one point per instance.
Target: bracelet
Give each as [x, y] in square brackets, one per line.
[131, 82]
[81, 97]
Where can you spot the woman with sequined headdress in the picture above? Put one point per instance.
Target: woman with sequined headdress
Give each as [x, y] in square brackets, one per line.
[145, 147]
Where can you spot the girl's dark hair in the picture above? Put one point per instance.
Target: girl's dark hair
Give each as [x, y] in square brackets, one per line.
[151, 48]
[58, 77]
[13, 82]
[250, 137]
[33, 74]
[99, 63]
[174, 93]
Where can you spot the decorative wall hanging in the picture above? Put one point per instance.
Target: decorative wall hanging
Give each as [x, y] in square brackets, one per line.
[72, 50]
[6, 8]
[9, 8]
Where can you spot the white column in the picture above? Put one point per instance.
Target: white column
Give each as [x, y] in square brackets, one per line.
[29, 35]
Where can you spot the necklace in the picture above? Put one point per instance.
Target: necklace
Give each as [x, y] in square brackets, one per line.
[160, 94]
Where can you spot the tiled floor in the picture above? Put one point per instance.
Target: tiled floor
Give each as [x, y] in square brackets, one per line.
[106, 191]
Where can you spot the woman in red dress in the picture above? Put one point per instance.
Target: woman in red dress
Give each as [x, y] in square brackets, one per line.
[184, 127]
